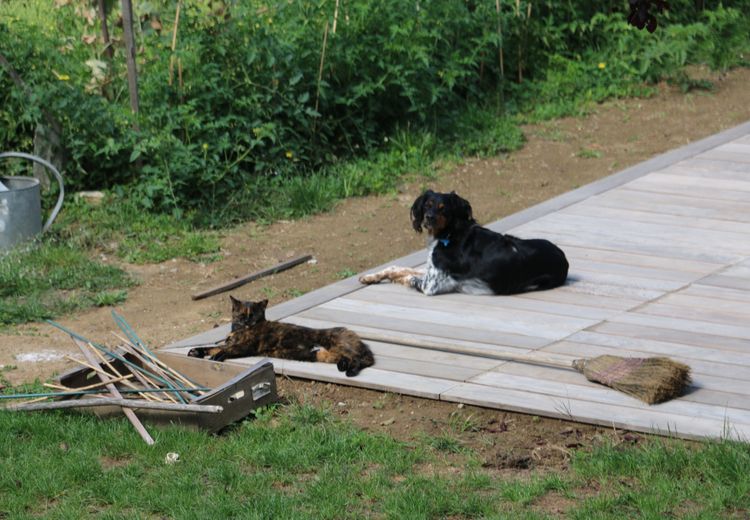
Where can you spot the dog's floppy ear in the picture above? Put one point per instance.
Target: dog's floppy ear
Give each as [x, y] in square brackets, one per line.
[462, 208]
[417, 211]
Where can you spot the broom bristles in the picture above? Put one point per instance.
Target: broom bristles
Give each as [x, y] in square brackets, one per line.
[652, 380]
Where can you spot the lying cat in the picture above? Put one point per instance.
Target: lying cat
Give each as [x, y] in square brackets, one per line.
[253, 335]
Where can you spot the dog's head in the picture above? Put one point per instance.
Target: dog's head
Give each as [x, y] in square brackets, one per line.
[440, 213]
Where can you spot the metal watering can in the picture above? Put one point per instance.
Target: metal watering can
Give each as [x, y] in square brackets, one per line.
[21, 204]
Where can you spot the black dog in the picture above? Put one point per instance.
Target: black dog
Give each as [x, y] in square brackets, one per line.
[465, 257]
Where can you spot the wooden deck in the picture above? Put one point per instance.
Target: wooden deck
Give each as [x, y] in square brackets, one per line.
[660, 265]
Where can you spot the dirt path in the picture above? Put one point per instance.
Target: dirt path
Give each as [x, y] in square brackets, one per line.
[364, 232]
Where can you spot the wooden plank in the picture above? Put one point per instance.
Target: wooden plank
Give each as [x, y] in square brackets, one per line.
[657, 185]
[575, 285]
[727, 156]
[706, 390]
[696, 184]
[649, 217]
[650, 420]
[722, 377]
[406, 353]
[738, 361]
[682, 299]
[686, 325]
[739, 270]
[579, 298]
[372, 378]
[592, 276]
[679, 205]
[481, 336]
[729, 282]
[670, 335]
[722, 293]
[735, 146]
[708, 171]
[410, 338]
[665, 235]
[583, 391]
[719, 163]
[424, 368]
[639, 260]
[630, 271]
[488, 305]
[209, 337]
[658, 242]
[515, 322]
[696, 312]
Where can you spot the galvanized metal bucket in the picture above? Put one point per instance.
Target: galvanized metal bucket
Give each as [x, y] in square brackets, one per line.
[21, 204]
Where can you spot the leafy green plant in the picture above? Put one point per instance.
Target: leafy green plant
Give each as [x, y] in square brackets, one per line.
[265, 109]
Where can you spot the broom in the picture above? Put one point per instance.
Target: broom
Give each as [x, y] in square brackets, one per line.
[652, 380]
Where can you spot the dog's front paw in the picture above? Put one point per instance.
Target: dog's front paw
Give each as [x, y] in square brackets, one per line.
[368, 279]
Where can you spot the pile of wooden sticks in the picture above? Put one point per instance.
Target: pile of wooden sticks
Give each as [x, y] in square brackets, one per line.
[131, 377]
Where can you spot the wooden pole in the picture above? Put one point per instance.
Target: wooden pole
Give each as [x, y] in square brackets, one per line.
[500, 38]
[111, 401]
[127, 24]
[249, 278]
[105, 31]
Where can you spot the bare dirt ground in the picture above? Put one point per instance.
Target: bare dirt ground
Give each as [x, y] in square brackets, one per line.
[364, 232]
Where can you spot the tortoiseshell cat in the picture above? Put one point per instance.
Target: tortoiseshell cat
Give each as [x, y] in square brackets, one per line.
[253, 335]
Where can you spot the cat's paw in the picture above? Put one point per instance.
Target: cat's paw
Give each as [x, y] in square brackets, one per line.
[350, 366]
[218, 356]
[197, 352]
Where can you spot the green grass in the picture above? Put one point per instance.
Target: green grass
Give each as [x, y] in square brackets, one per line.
[668, 479]
[118, 226]
[299, 461]
[45, 280]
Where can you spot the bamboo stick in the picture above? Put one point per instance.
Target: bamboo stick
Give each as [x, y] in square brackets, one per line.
[142, 378]
[174, 42]
[112, 354]
[335, 17]
[98, 370]
[109, 401]
[89, 387]
[320, 68]
[130, 414]
[154, 361]
[147, 380]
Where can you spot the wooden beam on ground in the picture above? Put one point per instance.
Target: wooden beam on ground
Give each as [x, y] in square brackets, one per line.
[283, 266]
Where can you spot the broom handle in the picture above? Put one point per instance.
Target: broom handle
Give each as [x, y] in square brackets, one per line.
[557, 362]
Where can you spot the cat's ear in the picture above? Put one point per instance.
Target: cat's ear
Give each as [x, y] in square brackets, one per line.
[263, 303]
[235, 301]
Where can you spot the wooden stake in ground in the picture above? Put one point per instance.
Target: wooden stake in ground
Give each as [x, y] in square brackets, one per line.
[249, 278]
[652, 380]
[130, 414]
